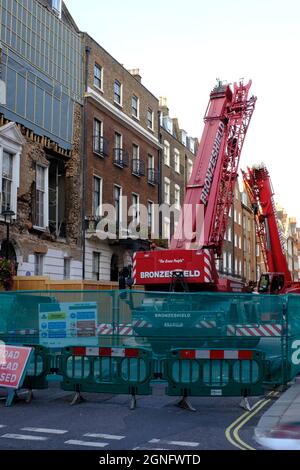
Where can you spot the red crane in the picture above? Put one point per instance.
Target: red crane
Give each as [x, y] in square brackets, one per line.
[278, 279]
[209, 195]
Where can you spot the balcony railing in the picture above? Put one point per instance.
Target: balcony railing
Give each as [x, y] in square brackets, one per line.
[120, 157]
[100, 146]
[153, 176]
[138, 167]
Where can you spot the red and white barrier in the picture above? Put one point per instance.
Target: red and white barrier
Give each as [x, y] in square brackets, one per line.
[105, 352]
[216, 354]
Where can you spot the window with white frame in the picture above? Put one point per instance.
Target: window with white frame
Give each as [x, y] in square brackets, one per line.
[118, 92]
[240, 218]
[98, 76]
[224, 261]
[167, 229]
[150, 118]
[96, 266]
[235, 240]
[38, 264]
[118, 204]
[189, 169]
[135, 208]
[240, 243]
[235, 215]
[98, 136]
[177, 161]
[229, 234]
[135, 106]
[240, 267]
[229, 262]
[135, 159]
[97, 196]
[7, 181]
[41, 209]
[177, 196]
[67, 268]
[167, 191]
[150, 215]
[166, 153]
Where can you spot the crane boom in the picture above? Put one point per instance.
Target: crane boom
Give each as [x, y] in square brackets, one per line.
[209, 196]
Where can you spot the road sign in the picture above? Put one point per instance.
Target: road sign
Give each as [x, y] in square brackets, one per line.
[13, 364]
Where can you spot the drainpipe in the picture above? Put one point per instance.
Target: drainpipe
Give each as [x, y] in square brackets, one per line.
[84, 159]
[159, 153]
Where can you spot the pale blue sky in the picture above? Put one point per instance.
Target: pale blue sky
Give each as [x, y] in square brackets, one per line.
[181, 47]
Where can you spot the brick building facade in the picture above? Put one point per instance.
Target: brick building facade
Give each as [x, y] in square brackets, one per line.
[40, 137]
[179, 152]
[121, 160]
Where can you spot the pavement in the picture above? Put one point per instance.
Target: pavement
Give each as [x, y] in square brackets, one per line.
[279, 427]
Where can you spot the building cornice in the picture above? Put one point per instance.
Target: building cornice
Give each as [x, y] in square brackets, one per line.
[119, 114]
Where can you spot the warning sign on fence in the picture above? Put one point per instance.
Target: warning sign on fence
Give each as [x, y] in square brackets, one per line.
[13, 363]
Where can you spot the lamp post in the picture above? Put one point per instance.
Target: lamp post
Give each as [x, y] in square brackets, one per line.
[8, 215]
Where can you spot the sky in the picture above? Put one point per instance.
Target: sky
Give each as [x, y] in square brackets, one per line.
[181, 47]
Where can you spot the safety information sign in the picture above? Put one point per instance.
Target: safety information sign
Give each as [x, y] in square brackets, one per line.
[67, 324]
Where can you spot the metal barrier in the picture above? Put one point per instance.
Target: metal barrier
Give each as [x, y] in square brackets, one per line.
[38, 370]
[215, 373]
[107, 370]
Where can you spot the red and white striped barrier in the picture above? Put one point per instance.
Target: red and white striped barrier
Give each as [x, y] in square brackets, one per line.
[268, 330]
[105, 352]
[216, 354]
[110, 329]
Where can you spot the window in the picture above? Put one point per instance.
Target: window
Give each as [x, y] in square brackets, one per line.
[118, 150]
[240, 243]
[177, 196]
[229, 234]
[167, 227]
[150, 215]
[135, 106]
[151, 169]
[257, 250]
[167, 153]
[150, 118]
[224, 261]
[240, 218]
[135, 202]
[240, 267]
[189, 169]
[118, 92]
[97, 196]
[177, 161]
[96, 266]
[235, 217]
[67, 268]
[41, 209]
[98, 76]
[236, 240]
[38, 264]
[56, 6]
[229, 262]
[135, 159]
[235, 266]
[7, 181]
[118, 209]
[167, 191]
[98, 136]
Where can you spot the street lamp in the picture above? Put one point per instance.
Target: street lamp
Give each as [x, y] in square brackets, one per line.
[8, 215]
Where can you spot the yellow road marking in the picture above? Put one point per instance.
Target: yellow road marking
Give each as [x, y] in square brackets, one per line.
[245, 421]
[236, 426]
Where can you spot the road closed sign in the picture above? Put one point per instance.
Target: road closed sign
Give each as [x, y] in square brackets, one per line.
[14, 361]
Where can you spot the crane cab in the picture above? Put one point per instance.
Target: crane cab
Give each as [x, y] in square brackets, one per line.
[271, 283]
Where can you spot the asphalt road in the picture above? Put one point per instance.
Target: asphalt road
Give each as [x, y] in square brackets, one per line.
[105, 422]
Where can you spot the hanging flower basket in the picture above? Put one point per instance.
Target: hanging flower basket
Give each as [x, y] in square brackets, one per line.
[7, 271]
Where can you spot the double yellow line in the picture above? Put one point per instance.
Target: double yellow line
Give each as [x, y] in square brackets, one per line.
[232, 432]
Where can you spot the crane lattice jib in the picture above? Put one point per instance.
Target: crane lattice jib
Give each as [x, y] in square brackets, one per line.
[253, 194]
[239, 116]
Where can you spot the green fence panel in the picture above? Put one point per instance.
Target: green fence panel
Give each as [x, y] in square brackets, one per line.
[38, 369]
[215, 372]
[107, 370]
